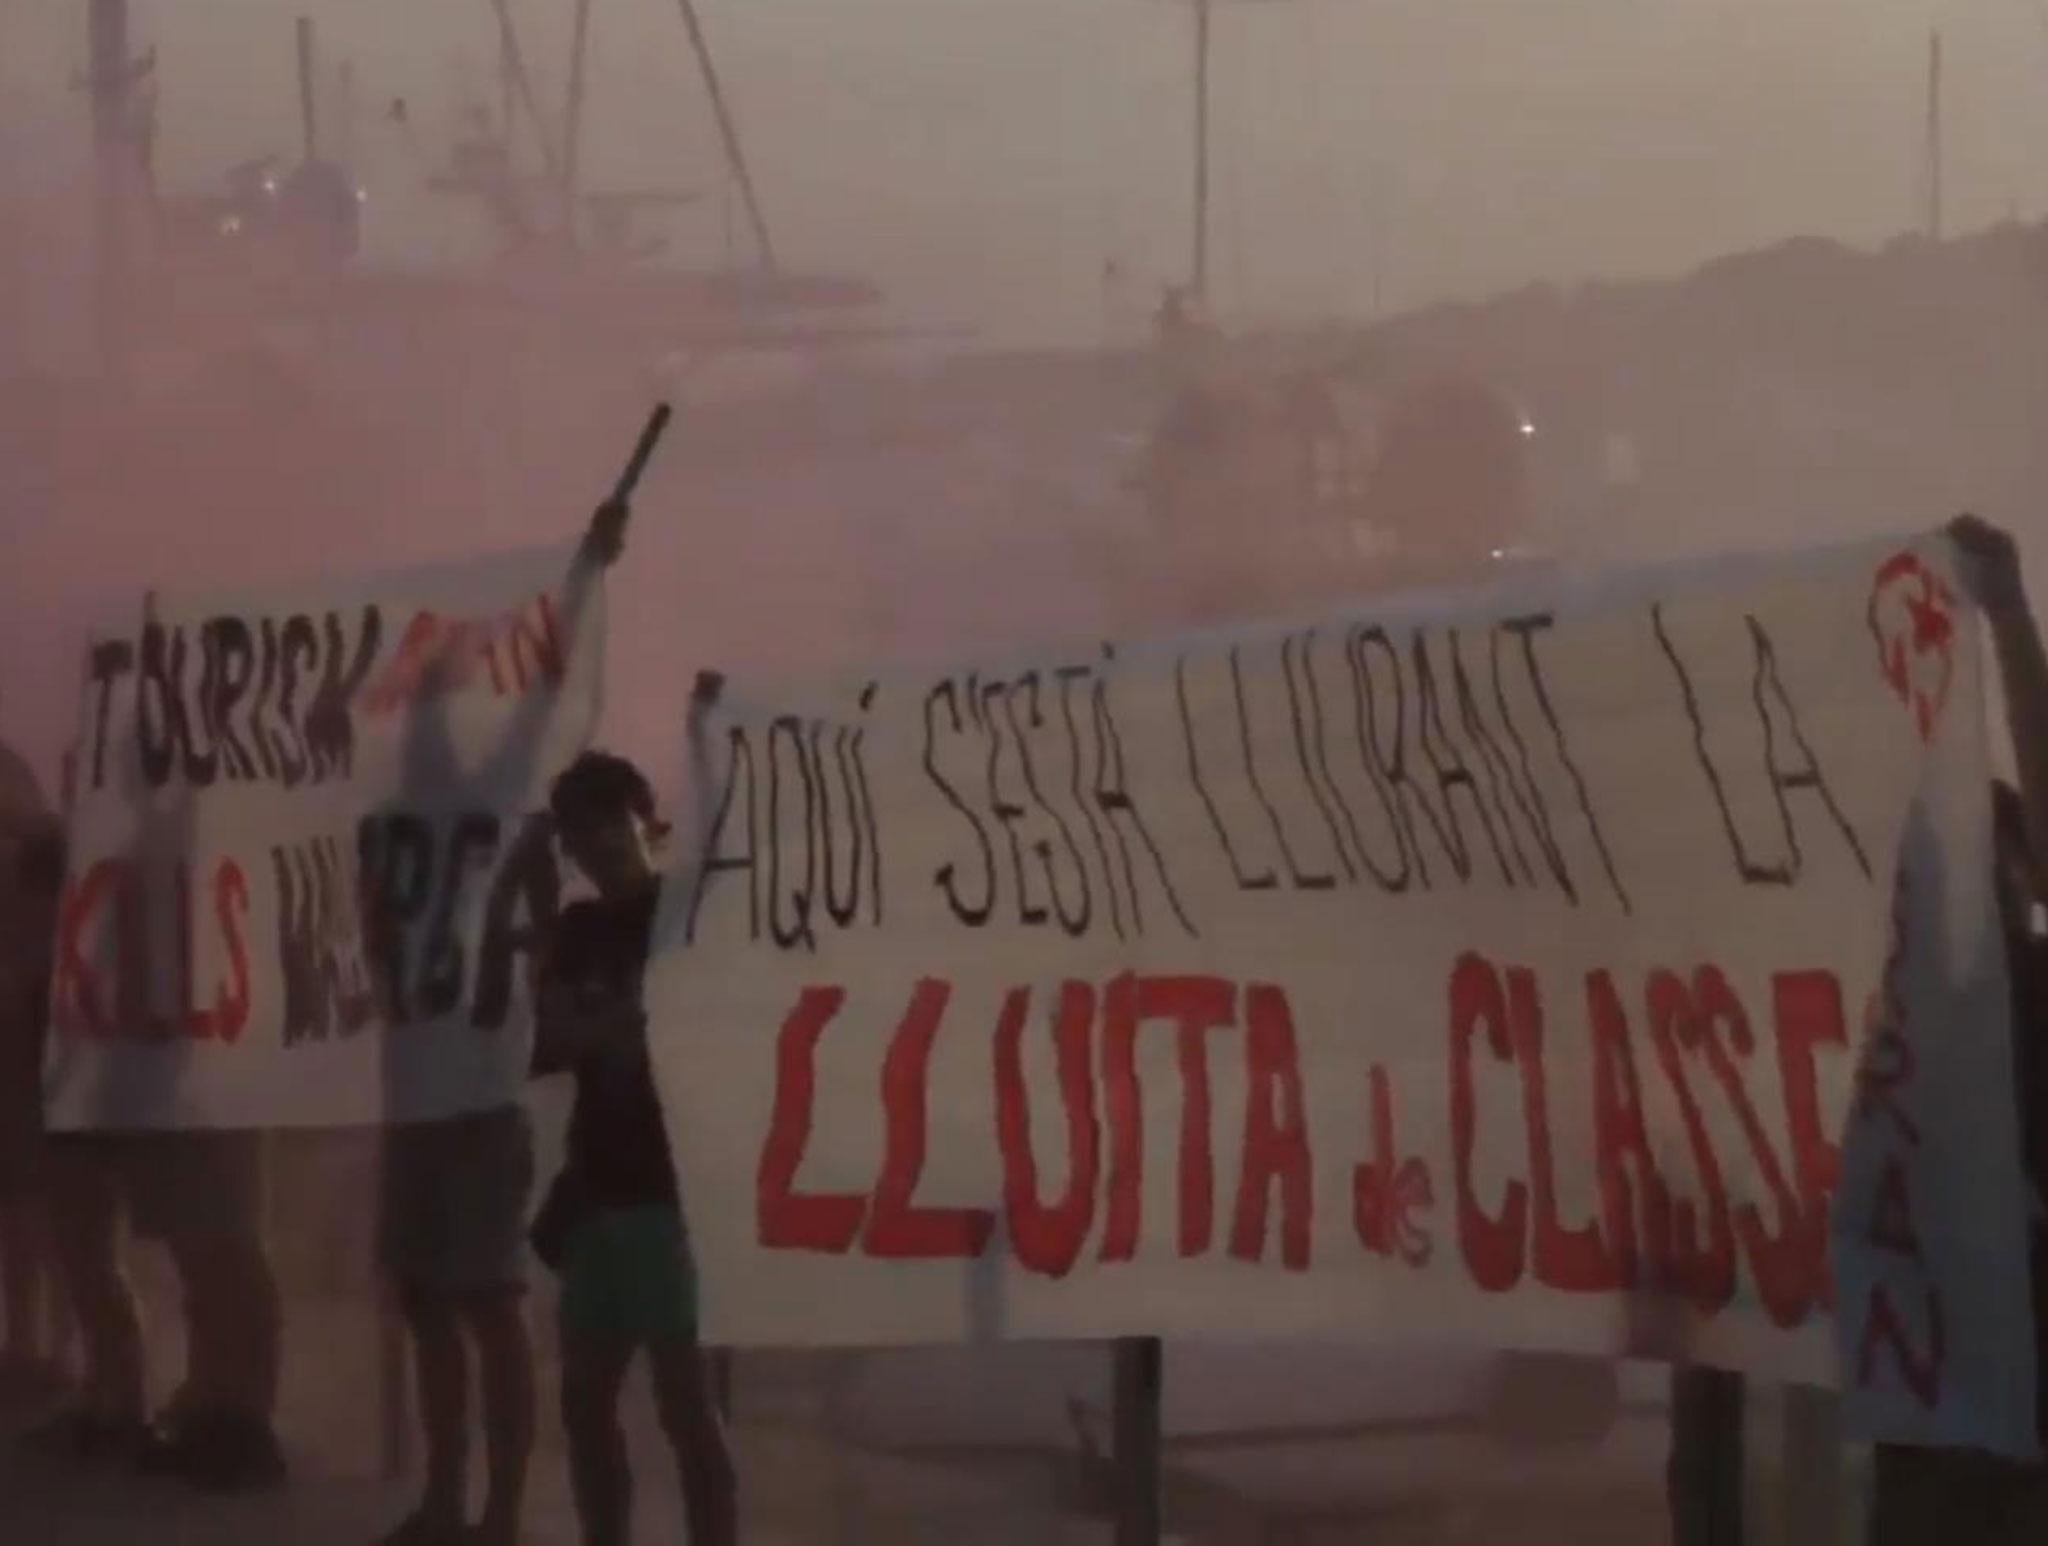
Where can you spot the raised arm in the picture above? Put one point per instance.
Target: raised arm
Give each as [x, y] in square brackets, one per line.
[604, 540]
[693, 835]
[1991, 568]
[520, 745]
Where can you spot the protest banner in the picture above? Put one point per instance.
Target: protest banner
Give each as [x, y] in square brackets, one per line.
[1513, 970]
[305, 878]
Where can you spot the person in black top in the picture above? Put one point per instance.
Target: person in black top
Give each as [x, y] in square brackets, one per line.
[31, 876]
[2026, 960]
[2020, 832]
[1960, 1495]
[612, 1225]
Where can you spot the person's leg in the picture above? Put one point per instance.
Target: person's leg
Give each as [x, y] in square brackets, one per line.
[2025, 1521]
[505, 1361]
[656, 1289]
[489, 1186]
[245, 1319]
[198, 1395]
[1705, 1474]
[235, 1318]
[260, 1369]
[1920, 1496]
[21, 1269]
[152, 1172]
[45, 1335]
[593, 1375]
[209, 1212]
[452, 1228]
[413, 1234]
[84, 1221]
[22, 1349]
[688, 1405]
[221, 1420]
[443, 1373]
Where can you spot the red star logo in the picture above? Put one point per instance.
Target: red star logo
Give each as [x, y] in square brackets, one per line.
[1912, 618]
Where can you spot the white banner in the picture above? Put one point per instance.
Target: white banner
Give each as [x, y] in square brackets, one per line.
[1501, 970]
[305, 880]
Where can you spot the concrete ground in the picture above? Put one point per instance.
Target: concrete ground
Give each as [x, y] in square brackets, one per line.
[913, 1448]
[951, 1446]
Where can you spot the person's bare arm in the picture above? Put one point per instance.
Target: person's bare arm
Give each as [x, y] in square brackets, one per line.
[702, 795]
[604, 539]
[1991, 568]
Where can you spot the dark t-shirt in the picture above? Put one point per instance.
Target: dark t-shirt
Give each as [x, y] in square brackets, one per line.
[618, 1144]
[2027, 962]
[24, 1015]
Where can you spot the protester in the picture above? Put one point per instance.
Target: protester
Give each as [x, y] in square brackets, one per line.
[1963, 1497]
[452, 1229]
[31, 872]
[85, 1178]
[201, 1193]
[80, 1178]
[2020, 831]
[613, 1224]
[204, 1203]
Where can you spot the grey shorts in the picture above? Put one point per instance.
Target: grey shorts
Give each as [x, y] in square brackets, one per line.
[21, 1151]
[194, 1185]
[190, 1190]
[455, 1197]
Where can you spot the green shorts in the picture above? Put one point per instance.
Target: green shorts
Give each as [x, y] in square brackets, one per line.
[627, 1277]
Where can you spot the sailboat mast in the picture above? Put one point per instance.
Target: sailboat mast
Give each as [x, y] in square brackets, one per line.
[1934, 154]
[572, 120]
[1199, 276]
[521, 82]
[507, 97]
[309, 119]
[728, 134]
[345, 113]
[113, 150]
